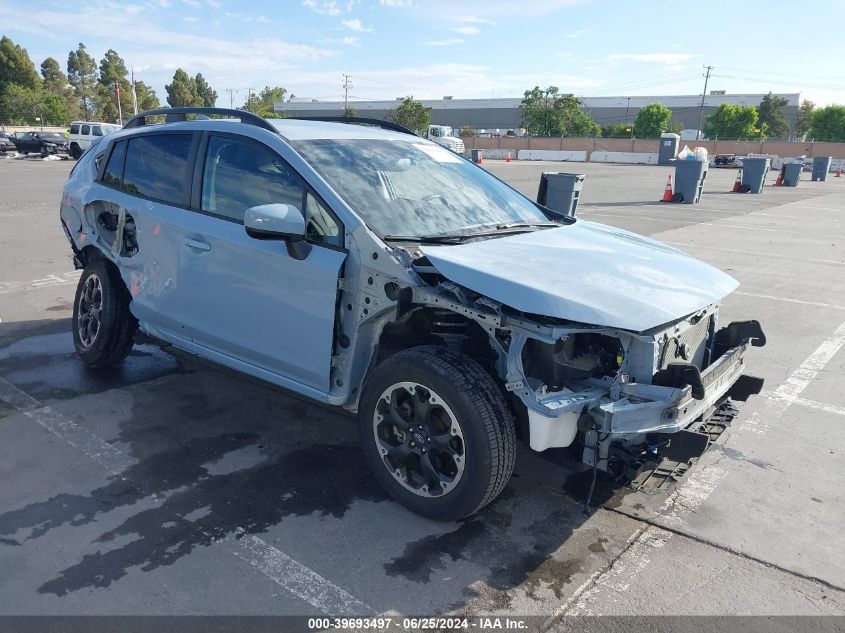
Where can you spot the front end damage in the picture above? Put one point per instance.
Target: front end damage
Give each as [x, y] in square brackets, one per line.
[606, 390]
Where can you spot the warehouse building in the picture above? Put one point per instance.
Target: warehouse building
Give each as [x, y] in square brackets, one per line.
[505, 114]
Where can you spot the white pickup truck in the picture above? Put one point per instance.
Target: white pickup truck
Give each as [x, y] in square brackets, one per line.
[445, 136]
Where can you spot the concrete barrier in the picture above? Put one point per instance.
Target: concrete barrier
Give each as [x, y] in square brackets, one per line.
[550, 154]
[837, 163]
[638, 158]
[498, 154]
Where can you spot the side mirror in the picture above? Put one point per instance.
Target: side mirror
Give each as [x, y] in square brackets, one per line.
[278, 222]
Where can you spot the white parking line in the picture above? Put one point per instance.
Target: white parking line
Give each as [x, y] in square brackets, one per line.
[819, 406]
[288, 573]
[697, 488]
[817, 304]
[738, 251]
[50, 280]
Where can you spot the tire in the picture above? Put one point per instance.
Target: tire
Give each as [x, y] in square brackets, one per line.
[677, 197]
[75, 151]
[103, 327]
[745, 188]
[468, 430]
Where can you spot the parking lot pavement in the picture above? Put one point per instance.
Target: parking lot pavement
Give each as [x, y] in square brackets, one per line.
[172, 486]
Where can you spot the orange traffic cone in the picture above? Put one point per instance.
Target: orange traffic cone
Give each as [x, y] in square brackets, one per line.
[737, 183]
[839, 172]
[667, 192]
[779, 181]
[508, 159]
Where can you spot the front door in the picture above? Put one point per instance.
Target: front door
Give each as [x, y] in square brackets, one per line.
[248, 298]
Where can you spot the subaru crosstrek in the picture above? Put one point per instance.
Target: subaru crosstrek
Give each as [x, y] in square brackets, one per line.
[368, 268]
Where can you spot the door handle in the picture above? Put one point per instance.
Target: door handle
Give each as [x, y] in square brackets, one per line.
[198, 245]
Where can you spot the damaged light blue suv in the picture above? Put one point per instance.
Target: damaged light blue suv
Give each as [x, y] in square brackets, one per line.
[365, 267]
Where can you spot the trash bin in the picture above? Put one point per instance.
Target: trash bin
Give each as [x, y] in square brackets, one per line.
[821, 166]
[476, 156]
[669, 143]
[689, 180]
[560, 191]
[754, 172]
[791, 173]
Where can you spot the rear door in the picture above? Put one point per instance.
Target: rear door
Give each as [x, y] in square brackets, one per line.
[250, 300]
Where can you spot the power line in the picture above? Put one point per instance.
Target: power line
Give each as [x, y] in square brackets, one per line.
[347, 84]
[703, 94]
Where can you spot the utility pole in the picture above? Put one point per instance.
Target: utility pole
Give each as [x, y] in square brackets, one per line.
[119, 109]
[134, 93]
[347, 84]
[627, 107]
[701, 109]
[231, 92]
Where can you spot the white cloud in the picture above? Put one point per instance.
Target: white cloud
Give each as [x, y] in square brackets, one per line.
[467, 30]
[263, 19]
[329, 7]
[661, 58]
[191, 19]
[443, 42]
[192, 3]
[348, 41]
[396, 3]
[577, 33]
[165, 4]
[356, 25]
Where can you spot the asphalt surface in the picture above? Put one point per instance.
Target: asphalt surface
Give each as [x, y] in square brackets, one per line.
[171, 486]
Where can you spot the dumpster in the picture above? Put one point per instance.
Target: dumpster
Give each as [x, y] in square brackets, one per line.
[821, 166]
[668, 148]
[689, 180]
[754, 172]
[791, 173]
[560, 191]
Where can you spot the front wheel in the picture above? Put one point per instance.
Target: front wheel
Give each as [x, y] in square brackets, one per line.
[75, 151]
[436, 432]
[103, 327]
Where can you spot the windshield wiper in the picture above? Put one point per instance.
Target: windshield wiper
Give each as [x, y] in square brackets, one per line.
[526, 225]
[428, 239]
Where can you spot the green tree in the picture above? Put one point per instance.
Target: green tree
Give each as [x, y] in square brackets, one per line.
[549, 113]
[16, 67]
[413, 115]
[732, 122]
[20, 105]
[770, 113]
[652, 121]
[805, 118]
[55, 84]
[618, 130]
[182, 91]
[676, 127]
[206, 93]
[114, 85]
[147, 99]
[262, 103]
[82, 75]
[829, 124]
[349, 111]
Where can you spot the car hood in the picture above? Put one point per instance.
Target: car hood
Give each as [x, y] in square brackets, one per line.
[585, 272]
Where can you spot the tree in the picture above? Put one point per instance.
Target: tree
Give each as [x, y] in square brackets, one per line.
[55, 84]
[349, 111]
[617, 130]
[805, 118]
[55, 81]
[548, 113]
[16, 67]
[770, 113]
[182, 91]
[829, 124]
[413, 115]
[652, 121]
[147, 99]
[262, 103]
[20, 105]
[207, 95]
[82, 75]
[114, 86]
[732, 122]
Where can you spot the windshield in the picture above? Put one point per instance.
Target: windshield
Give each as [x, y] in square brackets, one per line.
[52, 136]
[415, 187]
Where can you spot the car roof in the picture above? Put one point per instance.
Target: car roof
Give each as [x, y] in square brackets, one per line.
[290, 129]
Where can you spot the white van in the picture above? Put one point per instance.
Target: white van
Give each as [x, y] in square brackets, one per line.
[83, 132]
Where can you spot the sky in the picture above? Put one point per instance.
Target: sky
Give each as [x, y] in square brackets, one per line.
[466, 49]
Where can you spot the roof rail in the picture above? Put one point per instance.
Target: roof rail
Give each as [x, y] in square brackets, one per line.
[387, 125]
[173, 115]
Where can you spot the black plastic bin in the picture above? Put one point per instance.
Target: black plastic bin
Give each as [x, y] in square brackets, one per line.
[689, 180]
[791, 173]
[754, 172]
[821, 167]
[560, 191]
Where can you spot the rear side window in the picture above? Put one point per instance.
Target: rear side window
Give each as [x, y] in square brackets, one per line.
[74, 129]
[113, 175]
[157, 166]
[86, 130]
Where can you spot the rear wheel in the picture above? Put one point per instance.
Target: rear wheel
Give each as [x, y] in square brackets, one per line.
[75, 151]
[436, 432]
[103, 327]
